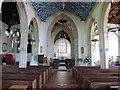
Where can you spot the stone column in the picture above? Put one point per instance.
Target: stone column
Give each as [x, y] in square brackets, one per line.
[24, 34]
[1, 1]
[15, 47]
[34, 60]
[41, 37]
[103, 46]
[3, 36]
[92, 54]
[103, 35]
[36, 52]
[9, 46]
[23, 49]
[0, 40]
[119, 44]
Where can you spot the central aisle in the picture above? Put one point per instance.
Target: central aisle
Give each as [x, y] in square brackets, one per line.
[62, 79]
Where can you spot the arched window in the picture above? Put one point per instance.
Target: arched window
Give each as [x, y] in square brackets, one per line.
[62, 47]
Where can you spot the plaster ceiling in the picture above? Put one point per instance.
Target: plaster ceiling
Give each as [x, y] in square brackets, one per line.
[47, 9]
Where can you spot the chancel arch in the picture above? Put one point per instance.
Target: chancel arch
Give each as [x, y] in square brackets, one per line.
[69, 27]
[62, 45]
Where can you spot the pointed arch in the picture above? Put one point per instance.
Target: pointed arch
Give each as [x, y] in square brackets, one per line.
[73, 32]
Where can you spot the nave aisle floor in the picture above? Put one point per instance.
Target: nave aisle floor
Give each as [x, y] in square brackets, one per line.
[62, 79]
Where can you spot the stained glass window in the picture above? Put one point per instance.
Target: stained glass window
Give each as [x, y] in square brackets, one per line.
[62, 47]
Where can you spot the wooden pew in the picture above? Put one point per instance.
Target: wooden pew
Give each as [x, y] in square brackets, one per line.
[86, 76]
[31, 70]
[113, 87]
[6, 83]
[25, 76]
[101, 85]
[16, 87]
[47, 69]
[89, 80]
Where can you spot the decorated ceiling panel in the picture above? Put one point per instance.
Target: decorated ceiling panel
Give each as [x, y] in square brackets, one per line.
[47, 9]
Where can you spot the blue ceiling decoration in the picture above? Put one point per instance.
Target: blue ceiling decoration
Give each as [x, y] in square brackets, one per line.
[80, 9]
[47, 9]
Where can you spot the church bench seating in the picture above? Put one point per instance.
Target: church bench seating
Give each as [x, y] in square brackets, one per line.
[78, 69]
[41, 76]
[88, 80]
[21, 87]
[25, 76]
[87, 75]
[48, 69]
[112, 87]
[31, 83]
[42, 73]
[102, 85]
[79, 73]
[12, 69]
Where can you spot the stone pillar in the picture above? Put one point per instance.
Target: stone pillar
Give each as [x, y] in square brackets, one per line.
[1, 1]
[92, 54]
[103, 35]
[23, 49]
[0, 40]
[76, 48]
[41, 37]
[103, 46]
[15, 47]
[24, 34]
[34, 60]
[119, 44]
[9, 46]
[36, 52]
[3, 36]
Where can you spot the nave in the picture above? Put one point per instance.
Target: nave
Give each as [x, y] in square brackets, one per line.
[62, 79]
[36, 37]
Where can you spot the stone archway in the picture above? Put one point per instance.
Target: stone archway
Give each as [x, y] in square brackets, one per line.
[102, 27]
[11, 31]
[24, 34]
[94, 39]
[35, 44]
[56, 31]
[36, 36]
[74, 36]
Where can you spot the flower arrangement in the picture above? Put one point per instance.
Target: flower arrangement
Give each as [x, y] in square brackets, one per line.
[87, 60]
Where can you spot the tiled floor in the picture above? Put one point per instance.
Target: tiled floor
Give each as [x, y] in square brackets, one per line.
[62, 79]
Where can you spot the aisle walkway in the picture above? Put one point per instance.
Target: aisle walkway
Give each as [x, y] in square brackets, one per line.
[62, 79]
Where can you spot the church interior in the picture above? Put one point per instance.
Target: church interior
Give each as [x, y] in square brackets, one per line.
[59, 44]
